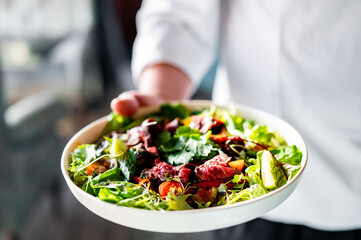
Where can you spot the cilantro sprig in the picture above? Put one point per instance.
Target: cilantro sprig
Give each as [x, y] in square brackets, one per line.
[185, 146]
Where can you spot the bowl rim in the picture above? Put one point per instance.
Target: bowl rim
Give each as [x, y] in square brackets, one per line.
[188, 103]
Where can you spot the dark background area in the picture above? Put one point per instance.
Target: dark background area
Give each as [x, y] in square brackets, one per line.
[61, 63]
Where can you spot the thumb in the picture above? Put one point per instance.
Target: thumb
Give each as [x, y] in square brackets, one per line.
[129, 102]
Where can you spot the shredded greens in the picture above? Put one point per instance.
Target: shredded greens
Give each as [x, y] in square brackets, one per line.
[127, 165]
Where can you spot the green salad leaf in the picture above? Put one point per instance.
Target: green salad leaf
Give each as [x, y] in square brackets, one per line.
[174, 111]
[290, 157]
[117, 122]
[127, 164]
[83, 155]
[288, 154]
[124, 172]
[111, 174]
[186, 144]
[110, 195]
[260, 134]
[130, 195]
[177, 202]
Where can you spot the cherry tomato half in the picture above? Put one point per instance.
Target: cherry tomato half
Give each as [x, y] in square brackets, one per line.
[166, 187]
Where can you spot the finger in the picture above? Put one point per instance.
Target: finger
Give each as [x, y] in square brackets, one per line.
[126, 104]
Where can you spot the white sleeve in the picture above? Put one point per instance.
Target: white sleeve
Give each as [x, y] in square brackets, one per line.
[183, 33]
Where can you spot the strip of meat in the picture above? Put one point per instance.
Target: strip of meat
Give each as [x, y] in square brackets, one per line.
[215, 168]
[162, 170]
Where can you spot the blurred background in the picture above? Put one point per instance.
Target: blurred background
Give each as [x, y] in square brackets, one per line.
[61, 63]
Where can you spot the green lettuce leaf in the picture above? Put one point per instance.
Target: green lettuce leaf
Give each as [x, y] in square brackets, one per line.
[130, 195]
[257, 190]
[174, 111]
[254, 174]
[83, 155]
[260, 134]
[117, 122]
[112, 174]
[238, 196]
[177, 202]
[110, 195]
[290, 155]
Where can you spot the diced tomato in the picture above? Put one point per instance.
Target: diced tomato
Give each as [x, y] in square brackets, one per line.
[167, 186]
[96, 167]
[238, 164]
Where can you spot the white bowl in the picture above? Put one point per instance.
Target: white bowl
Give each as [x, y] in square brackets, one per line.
[196, 220]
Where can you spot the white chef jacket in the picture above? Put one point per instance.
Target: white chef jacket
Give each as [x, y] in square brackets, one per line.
[300, 60]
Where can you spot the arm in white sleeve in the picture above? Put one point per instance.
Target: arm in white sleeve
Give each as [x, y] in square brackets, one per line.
[183, 33]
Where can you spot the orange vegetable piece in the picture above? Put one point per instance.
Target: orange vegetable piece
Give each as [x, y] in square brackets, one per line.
[96, 167]
[167, 186]
[238, 164]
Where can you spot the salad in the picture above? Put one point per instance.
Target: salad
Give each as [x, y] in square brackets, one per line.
[178, 159]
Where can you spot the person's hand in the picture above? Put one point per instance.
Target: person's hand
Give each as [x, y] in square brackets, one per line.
[158, 83]
[129, 102]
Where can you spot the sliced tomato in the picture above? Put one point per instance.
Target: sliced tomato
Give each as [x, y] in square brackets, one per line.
[166, 187]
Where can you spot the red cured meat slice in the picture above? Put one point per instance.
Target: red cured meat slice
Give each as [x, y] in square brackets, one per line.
[214, 169]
